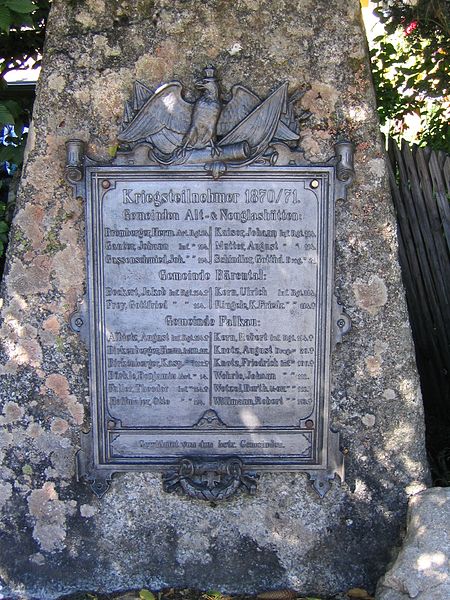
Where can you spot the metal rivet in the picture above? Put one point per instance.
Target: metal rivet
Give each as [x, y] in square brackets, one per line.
[314, 184]
[106, 184]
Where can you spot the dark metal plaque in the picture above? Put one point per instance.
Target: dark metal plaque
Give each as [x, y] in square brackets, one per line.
[210, 316]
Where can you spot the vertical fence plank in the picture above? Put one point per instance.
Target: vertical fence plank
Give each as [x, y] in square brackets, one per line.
[446, 174]
[440, 259]
[420, 181]
[441, 192]
[418, 211]
[418, 243]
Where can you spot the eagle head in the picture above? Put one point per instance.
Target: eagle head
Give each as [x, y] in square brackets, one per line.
[208, 84]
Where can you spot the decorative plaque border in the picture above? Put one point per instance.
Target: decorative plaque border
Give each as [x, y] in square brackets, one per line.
[245, 139]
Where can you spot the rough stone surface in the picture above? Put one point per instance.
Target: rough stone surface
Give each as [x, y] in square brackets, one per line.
[422, 568]
[55, 536]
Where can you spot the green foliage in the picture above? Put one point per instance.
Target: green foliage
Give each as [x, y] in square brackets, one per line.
[146, 595]
[411, 68]
[22, 27]
[12, 113]
[5, 115]
[112, 150]
[22, 31]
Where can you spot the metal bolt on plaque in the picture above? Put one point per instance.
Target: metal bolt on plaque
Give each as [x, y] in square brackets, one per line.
[210, 315]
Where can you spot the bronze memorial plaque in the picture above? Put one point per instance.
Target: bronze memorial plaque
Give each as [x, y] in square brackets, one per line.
[210, 314]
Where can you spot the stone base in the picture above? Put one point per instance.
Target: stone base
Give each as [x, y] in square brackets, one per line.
[422, 568]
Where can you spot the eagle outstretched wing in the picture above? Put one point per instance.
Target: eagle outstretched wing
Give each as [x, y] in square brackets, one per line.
[259, 126]
[163, 120]
[241, 104]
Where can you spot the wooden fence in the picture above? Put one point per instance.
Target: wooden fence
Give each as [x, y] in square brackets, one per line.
[420, 184]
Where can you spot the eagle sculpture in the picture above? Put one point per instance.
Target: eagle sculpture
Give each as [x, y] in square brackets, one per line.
[174, 126]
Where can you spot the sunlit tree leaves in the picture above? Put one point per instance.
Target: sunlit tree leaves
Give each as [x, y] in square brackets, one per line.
[411, 68]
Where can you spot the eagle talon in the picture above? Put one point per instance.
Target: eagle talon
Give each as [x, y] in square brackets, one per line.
[180, 152]
[215, 150]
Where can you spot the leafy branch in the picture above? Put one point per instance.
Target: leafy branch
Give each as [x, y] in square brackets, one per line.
[22, 31]
[411, 68]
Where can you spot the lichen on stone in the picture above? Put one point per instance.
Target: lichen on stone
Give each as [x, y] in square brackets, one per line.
[371, 296]
[49, 515]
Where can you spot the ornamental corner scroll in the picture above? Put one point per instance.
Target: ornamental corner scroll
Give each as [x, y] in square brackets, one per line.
[210, 315]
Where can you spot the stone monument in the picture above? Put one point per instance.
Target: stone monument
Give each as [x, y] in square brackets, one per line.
[208, 378]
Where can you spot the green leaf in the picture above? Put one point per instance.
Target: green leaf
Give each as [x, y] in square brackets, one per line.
[14, 107]
[5, 19]
[20, 6]
[391, 28]
[112, 150]
[26, 20]
[18, 129]
[389, 48]
[146, 595]
[3, 227]
[6, 117]
[13, 154]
